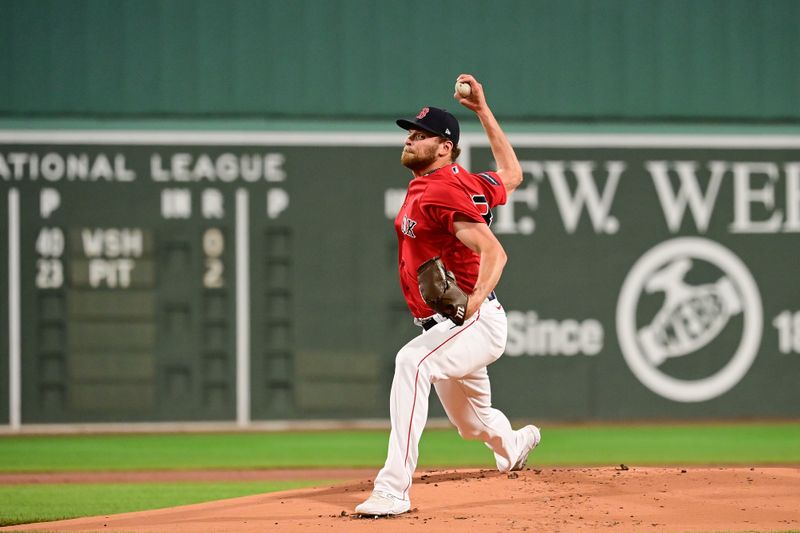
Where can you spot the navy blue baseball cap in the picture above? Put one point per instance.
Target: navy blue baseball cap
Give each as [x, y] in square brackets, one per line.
[433, 120]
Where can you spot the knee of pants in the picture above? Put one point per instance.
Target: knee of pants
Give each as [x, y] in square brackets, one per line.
[502, 339]
[473, 433]
[498, 346]
[406, 360]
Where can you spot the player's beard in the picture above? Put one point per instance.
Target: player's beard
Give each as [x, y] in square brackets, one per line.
[420, 159]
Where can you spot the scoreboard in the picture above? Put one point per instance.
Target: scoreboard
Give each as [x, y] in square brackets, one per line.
[203, 279]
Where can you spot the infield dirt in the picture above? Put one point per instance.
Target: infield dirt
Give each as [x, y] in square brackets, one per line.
[547, 499]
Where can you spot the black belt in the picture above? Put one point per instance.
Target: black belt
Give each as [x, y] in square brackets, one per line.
[429, 323]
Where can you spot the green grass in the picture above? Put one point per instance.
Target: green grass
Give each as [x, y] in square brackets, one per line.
[20, 504]
[742, 444]
[590, 445]
[690, 444]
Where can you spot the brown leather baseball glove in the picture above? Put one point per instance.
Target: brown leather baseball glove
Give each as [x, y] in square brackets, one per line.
[438, 288]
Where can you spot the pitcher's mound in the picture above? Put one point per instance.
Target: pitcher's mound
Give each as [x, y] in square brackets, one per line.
[547, 499]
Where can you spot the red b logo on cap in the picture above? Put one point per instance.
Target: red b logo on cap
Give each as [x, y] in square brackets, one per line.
[423, 113]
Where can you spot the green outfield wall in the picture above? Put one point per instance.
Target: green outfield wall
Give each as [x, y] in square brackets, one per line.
[193, 276]
[196, 201]
[543, 60]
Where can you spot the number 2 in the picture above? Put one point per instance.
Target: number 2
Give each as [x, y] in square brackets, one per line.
[50, 274]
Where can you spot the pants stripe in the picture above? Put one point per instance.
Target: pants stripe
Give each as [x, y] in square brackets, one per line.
[416, 379]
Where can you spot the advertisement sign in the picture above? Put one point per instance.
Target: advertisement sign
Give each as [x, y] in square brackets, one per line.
[652, 275]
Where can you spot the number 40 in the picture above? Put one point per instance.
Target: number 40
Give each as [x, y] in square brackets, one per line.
[788, 326]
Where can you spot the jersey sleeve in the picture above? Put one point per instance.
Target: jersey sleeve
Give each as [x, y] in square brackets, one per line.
[493, 188]
[442, 202]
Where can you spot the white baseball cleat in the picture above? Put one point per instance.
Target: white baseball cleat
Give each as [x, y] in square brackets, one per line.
[533, 437]
[383, 504]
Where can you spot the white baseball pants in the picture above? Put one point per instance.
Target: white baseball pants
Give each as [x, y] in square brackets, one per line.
[454, 359]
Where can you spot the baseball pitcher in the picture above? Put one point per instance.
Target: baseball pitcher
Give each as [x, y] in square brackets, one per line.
[449, 263]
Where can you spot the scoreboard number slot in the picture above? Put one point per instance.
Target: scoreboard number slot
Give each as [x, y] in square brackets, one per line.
[213, 247]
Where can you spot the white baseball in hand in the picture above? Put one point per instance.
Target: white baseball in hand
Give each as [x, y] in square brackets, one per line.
[463, 89]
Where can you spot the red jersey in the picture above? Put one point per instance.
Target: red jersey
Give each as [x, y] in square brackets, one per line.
[424, 226]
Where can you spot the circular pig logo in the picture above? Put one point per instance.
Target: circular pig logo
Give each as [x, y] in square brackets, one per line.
[691, 316]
